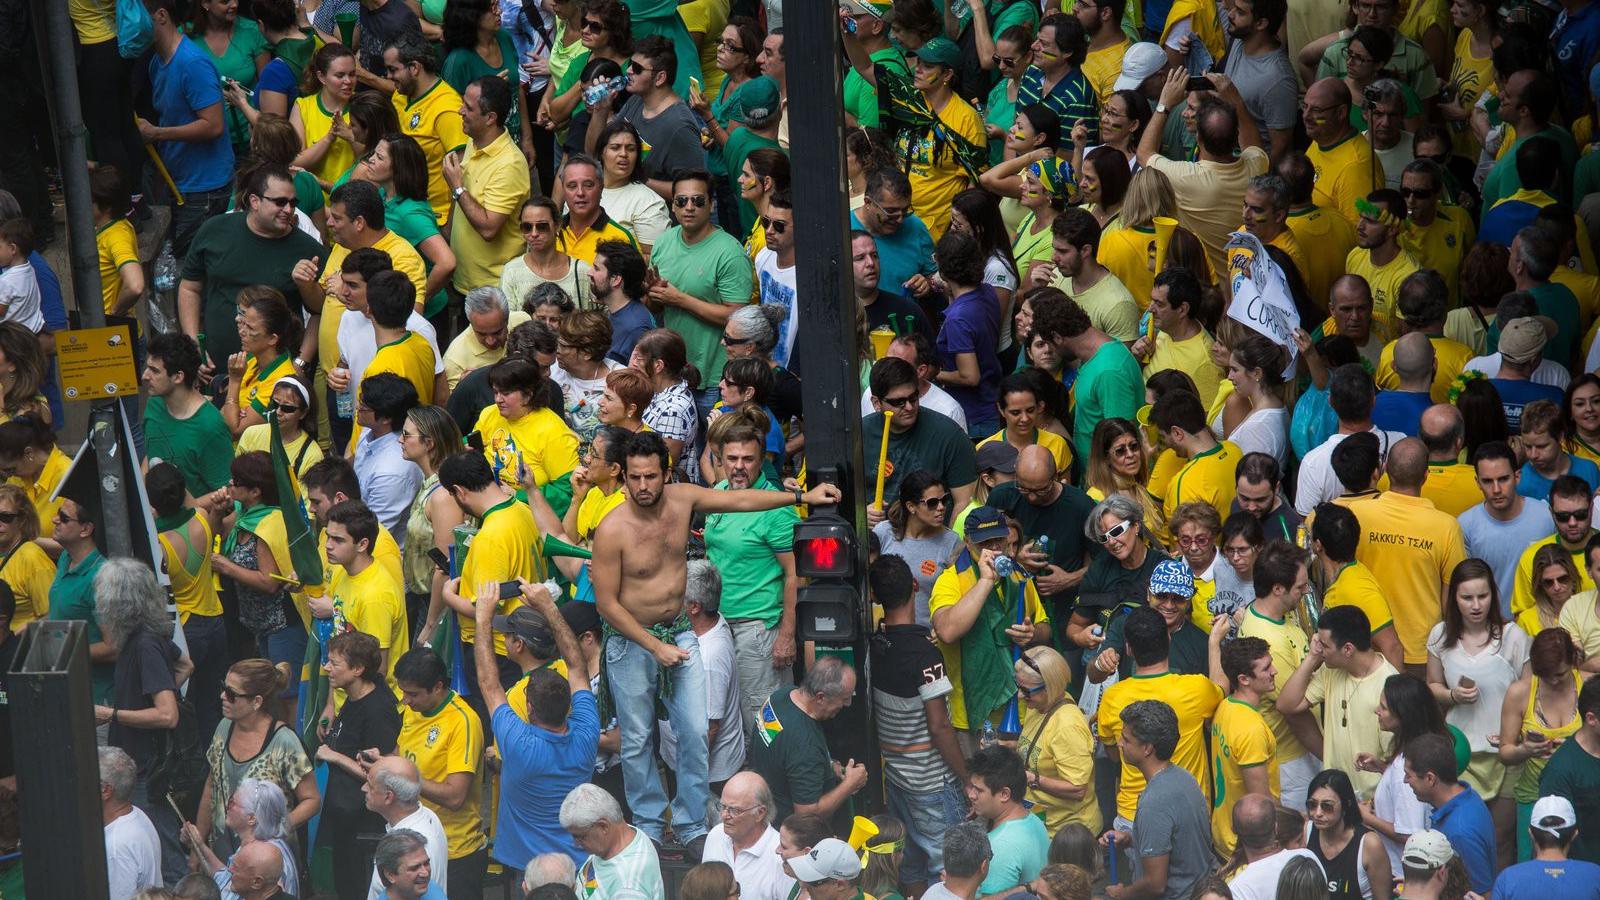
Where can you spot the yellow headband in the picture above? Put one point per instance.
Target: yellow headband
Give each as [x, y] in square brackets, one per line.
[885, 849]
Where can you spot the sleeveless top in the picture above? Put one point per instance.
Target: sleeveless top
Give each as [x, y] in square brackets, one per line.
[1347, 877]
[417, 566]
[1527, 789]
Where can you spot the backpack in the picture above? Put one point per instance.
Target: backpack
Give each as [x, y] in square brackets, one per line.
[134, 29]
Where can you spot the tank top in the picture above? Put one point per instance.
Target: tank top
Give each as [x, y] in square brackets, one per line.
[316, 121]
[1347, 878]
[1527, 789]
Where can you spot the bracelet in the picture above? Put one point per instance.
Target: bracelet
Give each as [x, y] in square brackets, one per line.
[113, 715]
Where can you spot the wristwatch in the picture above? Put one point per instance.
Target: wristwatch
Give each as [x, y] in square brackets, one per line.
[456, 194]
[1162, 108]
[799, 498]
[299, 363]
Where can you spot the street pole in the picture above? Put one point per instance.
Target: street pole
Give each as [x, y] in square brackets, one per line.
[53, 32]
[826, 339]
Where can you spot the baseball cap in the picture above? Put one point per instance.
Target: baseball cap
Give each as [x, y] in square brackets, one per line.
[940, 51]
[830, 858]
[580, 616]
[985, 524]
[999, 456]
[758, 102]
[526, 623]
[1140, 62]
[1172, 576]
[1523, 339]
[1552, 807]
[1428, 849]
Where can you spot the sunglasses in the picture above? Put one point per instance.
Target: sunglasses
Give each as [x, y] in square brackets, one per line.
[1572, 516]
[638, 69]
[65, 519]
[684, 201]
[594, 25]
[1116, 531]
[1003, 62]
[776, 226]
[10, 518]
[931, 502]
[232, 696]
[289, 202]
[901, 402]
[531, 227]
[736, 342]
[1419, 193]
[290, 409]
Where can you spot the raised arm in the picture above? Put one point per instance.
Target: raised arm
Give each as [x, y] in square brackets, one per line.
[488, 599]
[566, 642]
[706, 500]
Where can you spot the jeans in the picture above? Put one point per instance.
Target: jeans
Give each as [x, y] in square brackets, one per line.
[632, 671]
[174, 861]
[926, 817]
[287, 644]
[752, 654]
[208, 650]
[196, 209]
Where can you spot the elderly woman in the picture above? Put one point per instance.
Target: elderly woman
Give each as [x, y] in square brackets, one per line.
[255, 812]
[1118, 577]
[581, 368]
[1056, 746]
[752, 331]
[1196, 528]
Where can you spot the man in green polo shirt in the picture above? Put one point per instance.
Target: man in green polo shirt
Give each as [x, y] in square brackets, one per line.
[72, 592]
[869, 49]
[754, 552]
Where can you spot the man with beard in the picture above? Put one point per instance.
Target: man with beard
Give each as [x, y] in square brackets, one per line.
[1259, 67]
[617, 281]
[1102, 21]
[429, 111]
[1378, 257]
[639, 573]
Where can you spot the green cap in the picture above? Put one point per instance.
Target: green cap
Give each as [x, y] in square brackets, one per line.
[758, 104]
[940, 51]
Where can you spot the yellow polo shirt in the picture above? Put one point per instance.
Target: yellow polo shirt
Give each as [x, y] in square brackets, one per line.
[1130, 254]
[1325, 239]
[581, 246]
[1240, 739]
[1355, 586]
[1287, 642]
[1207, 478]
[1581, 620]
[1522, 589]
[467, 353]
[507, 546]
[55, 469]
[1452, 357]
[29, 571]
[496, 176]
[444, 742]
[1384, 280]
[1344, 173]
[1452, 486]
[1411, 548]
[434, 120]
[405, 260]
[1193, 697]
[948, 589]
[117, 245]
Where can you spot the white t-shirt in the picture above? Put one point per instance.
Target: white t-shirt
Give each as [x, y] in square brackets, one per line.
[637, 208]
[1264, 431]
[133, 853]
[778, 289]
[358, 343]
[581, 397]
[1547, 373]
[998, 275]
[19, 290]
[722, 703]
[1259, 880]
[936, 399]
[1317, 482]
[758, 869]
[426, 823]
[1394, 802]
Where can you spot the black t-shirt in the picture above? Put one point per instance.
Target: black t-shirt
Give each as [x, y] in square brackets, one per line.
[144, 668]
[784, 401]
[907, 316]
[380, 27]
[372, 721]
[8, 651]
[1062, 521]
[1107, 583]
[903, 658]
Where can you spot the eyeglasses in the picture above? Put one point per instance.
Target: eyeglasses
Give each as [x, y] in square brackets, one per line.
[733, 811]
[290, 409]
[736, 342]
[1199, 540]
[1236, 552]
[1569, 515]
[232, 696]
[1003, 62]
[594, 25]
[1034, 492]
[1351, 55]
[65, 519]
[288, 202]
[890, 212]
[776, 226]
[931, 502]
[540, 227]
[1116, 531]
[1419, 193]
[732, 46]
[684, 201]
[901, 402]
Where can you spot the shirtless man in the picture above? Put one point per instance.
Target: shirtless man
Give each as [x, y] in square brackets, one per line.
[639, 573]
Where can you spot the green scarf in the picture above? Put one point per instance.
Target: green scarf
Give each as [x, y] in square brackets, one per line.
[247, 521]
[667, 632]
[176, 520]
[987, 681]
[907, 110]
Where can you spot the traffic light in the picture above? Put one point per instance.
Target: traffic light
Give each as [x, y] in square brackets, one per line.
[827, 606]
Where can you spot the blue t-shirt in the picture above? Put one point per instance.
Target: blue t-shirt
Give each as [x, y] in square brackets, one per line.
[1500, 544]
[1503, 220]
[1515, 394]
[1538, 487]
[628, 324]
[1537, 879]
[972, 325]
[1465, 820]
[540, 768]
[907, 252]
[1020, 849]
[1576, 37]
[278, 78]
[180, 88]
[1400, 411]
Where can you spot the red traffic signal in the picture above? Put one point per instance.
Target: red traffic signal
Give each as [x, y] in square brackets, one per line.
[824, 547]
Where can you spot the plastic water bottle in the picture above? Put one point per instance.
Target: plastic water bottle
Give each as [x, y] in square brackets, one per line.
[598, 91]
[1004, 566]
[345, 401]
[166, 269]
[989, 738]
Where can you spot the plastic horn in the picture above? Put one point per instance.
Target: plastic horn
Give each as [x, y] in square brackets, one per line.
[883, 459]
[861, 829]
[554, 546]
[1164, 228]
[161, 167]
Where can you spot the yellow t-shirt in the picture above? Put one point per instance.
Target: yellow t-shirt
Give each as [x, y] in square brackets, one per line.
[1207, 478]
[1059, 449]
[1240, 739]
[596, 504]
[936, 178]
[1101, 68]
[507, 546]
[434, 119]
[1205, 590]
[466, 353]
[1288, 643]
[1452, 356]
[1203, 19]
[1325, 239]
[1384, 280]
[1350, 719]
[404, 258]
[1411, 548]
[1193, 697]
[540, 438]
[1191, 355]
[373, 603]
[1470, 76]
[948, 588]
[94, 20]
[707, 18]
[1163, 471]
[410, 357]
[194, 589]
[1581, 620]
[259, 437]
[317, 122]
[1453, 487]
[444, 742]
[55, 469]
[1443, 244]
[497, 178]
[1343, 173]
[1528, 620]
[1522, 589]
[1421, 15]
[1355, 586]
[1130, 254]
[1065, 749]
[517, 696]
[255, 387]
[387, 554]
[30, 572]
[117, 245]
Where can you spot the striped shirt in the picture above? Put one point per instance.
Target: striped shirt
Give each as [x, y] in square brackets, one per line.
[633, 874]
[1072, 98]
[911, 672]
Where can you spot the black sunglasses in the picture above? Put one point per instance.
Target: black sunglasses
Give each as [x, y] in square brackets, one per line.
[776, 226]
[10, 517]
[593, 25]
[530, 227]
[289, 202]
[735, 342]
[684, 201]
[233, 696]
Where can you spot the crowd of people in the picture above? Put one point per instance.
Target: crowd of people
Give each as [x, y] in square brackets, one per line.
[1278, 583]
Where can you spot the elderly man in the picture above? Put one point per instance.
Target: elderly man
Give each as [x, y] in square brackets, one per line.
[1340, 156]
[1452, 485]
[403, 867]
[746, 840]
[703, 593]
[133, 848]
[549, 868]
[256, 870]
[1255, 819]
[1535, 254]
[1350, 314]
[483, 343]
[1046, 508]
[622, 860]
[790, 751]
[393, 790]
[1385, 109]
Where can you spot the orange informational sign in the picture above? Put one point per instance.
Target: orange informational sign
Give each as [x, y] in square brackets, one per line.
[96, 363]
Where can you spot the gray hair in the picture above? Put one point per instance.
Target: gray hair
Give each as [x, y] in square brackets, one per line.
[9, 207]
[393, 848]
[825, 678]
[195, 886]
[756, 322]
[486, 299]
[406, 792]
[1275, 187]
[127, 599]
[1152, 722]
[703, 585]
[264, 801]
[546, 292]
[1120, 505]
[119, 772]
[586, 806]
[966, 849]
[549, 868]
[764, 797]
[1388, 92]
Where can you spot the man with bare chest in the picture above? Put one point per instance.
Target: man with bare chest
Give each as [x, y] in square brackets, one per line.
[638, 573]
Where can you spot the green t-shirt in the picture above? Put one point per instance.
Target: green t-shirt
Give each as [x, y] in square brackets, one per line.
[744, 548]
[200, 446]
[1557, 302]
[1503, 180]
[1575, 774]
[789, 750]
[1001, 112]
[572, 76]
[861, 96]
[464, 66]
[715, 270]
[413, 220]
[72, 597]
[307, 192]
[1109, 385]
[741, 143]
[225, 258]
[239, 63]
[935, 443]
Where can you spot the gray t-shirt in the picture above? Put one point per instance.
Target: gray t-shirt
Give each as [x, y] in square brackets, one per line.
[673, 137]
[1501, 544]
[927, 557]
[1173, 820]
[1269, 87]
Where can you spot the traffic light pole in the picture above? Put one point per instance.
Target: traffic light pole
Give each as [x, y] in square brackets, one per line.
[826, 340]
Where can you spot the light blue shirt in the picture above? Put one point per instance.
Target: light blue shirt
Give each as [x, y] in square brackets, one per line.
[389, 481]
[1500, 544]
[1537, 486]
[1020, 848]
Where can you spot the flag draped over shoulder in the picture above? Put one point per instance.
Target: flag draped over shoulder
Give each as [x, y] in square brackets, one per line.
[908, 111]
[306, 563]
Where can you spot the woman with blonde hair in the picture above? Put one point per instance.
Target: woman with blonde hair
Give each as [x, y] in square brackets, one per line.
[1130, 251]
[428, 436]
[1555, 580]
[1118, 464]
[1056, 746]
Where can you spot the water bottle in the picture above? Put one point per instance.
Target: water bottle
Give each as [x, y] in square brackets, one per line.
[345, 400]
[600, 90]
[1042, 544]
[1004, 566]
[166, 269]
[989, 738]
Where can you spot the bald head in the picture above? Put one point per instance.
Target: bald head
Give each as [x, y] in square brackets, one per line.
[398, 766]
[746, 792]
[1351, 287]
[1035, 466]
[1443, 431]
[257, 868]
[1255, 821]
[1413, 361]
[1328, 92]
[1407, 466]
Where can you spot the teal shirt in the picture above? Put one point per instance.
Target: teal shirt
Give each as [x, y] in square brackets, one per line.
[1001, 112]
[464, 66]
[715, 270]
[1109, 385]
[1503, 180]
[741, 143]
[413, 220]
[744, 547]
[1020, 849]
[72, 597]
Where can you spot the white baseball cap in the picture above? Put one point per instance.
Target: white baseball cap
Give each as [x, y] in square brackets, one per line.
[1552, 807]
[1427, 850]
[830, 858]
[1140, 62]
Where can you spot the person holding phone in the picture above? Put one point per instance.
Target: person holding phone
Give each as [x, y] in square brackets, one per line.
[1539, 714]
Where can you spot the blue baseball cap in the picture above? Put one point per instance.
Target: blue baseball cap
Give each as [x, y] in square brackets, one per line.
[985, 524]
[1172, 576]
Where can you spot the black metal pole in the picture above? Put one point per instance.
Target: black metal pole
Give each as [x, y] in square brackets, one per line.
[57, 52]
[826, 340]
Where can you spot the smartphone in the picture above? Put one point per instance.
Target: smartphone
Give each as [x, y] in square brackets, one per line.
[1537, 737]
[1198, 83]
[1466, 682]
[475, 441]
[694, 84]
[510, 590]
[440, 560]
